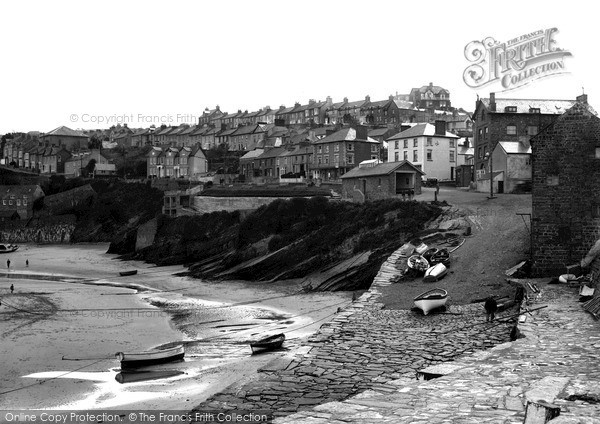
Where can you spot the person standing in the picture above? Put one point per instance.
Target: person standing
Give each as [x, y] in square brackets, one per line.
[8, 264]
[490, 308]
[27, 263]
[12, 288]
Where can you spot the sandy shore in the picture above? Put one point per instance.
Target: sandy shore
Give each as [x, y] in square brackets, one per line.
[87, 323]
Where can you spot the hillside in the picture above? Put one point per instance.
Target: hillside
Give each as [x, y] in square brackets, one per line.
[290, 239]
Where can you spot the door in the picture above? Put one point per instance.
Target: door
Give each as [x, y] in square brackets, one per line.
[500, 186]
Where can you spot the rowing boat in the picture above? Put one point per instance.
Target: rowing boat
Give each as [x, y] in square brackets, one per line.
[142, 359]
[435, 272]
[8, 248]
[126, 273]
[418, 262]
[268, 343]
[431, 299]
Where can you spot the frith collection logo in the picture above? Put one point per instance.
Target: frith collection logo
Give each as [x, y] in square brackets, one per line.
[516, 62]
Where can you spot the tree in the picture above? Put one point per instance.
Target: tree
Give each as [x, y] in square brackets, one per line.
[89, 168]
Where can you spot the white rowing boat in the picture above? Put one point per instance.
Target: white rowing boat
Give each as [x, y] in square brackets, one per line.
[142, 359]
[435, 272]
[431, 299]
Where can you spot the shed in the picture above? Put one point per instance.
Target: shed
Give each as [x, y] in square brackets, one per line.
[373, 181]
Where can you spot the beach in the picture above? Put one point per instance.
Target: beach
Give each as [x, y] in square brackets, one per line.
[71, 312]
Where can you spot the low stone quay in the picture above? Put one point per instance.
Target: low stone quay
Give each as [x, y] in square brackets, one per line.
[363, 348]
[556, 361]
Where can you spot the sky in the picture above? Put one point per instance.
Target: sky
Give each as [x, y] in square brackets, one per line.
[93, 64]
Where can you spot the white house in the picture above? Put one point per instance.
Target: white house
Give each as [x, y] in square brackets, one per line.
[428, 147]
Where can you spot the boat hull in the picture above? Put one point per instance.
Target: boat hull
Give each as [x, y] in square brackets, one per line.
[126, 273]
[268, 343]
[431, 300]
[8, 248]
[435, 273]
[143, 359]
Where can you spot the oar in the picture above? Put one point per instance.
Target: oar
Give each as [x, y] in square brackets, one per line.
[93, 358]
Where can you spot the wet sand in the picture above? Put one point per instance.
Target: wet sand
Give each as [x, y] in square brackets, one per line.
[86, 323]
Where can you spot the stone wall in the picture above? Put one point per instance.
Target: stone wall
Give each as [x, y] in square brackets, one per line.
[205, 204]
[566, 193]
[47, 234]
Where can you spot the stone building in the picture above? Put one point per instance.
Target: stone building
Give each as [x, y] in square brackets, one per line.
[566, 192]
[430, 97]
[374, 181]
[19, 199]
[515, 120]
[66, 137]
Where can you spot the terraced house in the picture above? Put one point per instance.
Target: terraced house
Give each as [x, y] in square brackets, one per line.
[337, 153]
[176, 162]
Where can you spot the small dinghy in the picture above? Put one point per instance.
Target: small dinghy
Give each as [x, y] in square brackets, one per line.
[421, 248]
[126, 273]
[418, 263]
[586, 293]
[566, 278]
[142, 359]
[8, 248]
[429, 253]
[268, 343]
[435, 273]
[442, 256]
[431, 299]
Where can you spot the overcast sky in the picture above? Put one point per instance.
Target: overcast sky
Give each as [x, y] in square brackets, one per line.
[73, 62]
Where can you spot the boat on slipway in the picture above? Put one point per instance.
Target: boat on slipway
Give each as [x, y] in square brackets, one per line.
[431, 299]
[268, 343]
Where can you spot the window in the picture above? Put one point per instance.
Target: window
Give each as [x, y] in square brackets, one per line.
[405, 155]
[451, 155]
[528, 161]
[552, 180]
[429, 154]
[510, 109]
[397, 144]
[429, 141]
[406, 144]
[415, 155]
[452, 143]
[511, 130]
[10, 202]
[327, 148]
[326, 160]
[24, 202]
[479, 154]
[532, 130]
[485, 132]
[320, 150]
[350, 147]
[415, 142]
[319, 160]
[4, 202]
[336, 148]
[18, 202]
[480, 133]
[597, 152]
[534, 110]
[336, 159]
[374, 148]
[350, 159]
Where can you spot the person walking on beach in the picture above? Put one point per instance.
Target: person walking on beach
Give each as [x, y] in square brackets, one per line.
[27, 263]
[490, 308]
[12, 288]
[8, 263]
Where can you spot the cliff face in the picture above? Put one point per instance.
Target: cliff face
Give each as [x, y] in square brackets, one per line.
[290, 239]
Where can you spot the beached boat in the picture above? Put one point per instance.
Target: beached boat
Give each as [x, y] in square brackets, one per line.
[142, 359]
[126, 273]
[421, 248]
[429, 253]
[566, 278]
[418, 262]
[586, 293]
[268, 343]
[431, 299]
[435, 272]
[8, 248]
[441, 256]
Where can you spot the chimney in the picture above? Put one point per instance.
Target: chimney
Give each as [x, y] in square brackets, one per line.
[493, 102]
[312, 102]
[391, 97]
[430, 85]
[368, 98]
[440, 127]
[345, 99]
[582, 99]
[297, 104]
[328, 100]
[281, 107]
[361, 132]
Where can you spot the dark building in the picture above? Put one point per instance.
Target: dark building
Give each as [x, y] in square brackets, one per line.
[518, 120]
[566, 191]
[430, 97]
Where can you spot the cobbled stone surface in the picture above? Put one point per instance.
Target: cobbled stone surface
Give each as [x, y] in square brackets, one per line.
[366, 349]
[557, 361]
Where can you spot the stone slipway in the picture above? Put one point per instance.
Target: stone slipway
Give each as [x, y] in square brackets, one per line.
[364, 348]
[557, 361]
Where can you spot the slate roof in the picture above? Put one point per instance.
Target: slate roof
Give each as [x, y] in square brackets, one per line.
[377, 132]
[404, 104]
[381, 169]
[346, 134]
[523, 105]
[252, 154]
[272, 153]
[436, 89]
[19, 190]
[421, 130]
[65, 132]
